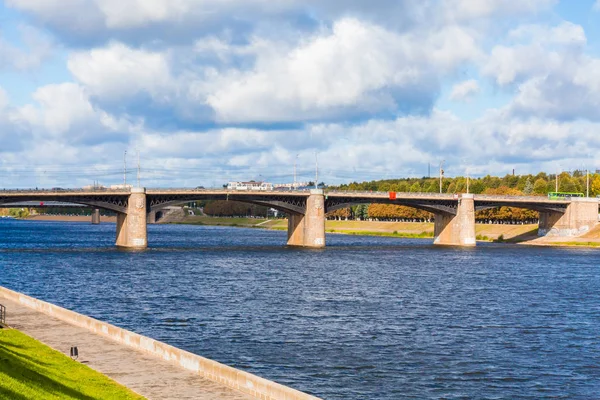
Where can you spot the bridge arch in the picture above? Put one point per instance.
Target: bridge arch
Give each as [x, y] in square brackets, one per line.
[116, 204]
[433, 206]
[287, 204]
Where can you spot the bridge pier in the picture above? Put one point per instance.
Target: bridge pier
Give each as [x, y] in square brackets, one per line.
[151, 219]
[459, 229]
[131, 227]
[96, 216]
[308, 230]
[580, 216]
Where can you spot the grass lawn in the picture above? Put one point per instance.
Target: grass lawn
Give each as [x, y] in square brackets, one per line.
[32, 370]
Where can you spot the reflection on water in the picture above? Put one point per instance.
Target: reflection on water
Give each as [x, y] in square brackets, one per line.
[365, 318]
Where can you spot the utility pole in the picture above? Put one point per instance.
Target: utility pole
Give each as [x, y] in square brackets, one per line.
[316, 171]
[467, 180]
[587, 182]
[125, 169]
[295, 161]
[441, 174]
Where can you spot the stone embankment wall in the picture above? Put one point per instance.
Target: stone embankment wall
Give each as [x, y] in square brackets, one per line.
[244, 382]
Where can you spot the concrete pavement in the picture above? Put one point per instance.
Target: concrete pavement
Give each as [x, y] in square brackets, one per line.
[147, 375]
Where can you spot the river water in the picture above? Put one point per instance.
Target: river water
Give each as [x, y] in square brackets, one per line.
[365, 318]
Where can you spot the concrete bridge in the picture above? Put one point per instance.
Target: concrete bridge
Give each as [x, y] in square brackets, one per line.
[454, 214]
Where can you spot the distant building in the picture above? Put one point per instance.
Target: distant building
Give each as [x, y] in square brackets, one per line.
[121, 186]
[252, 185]
[289, 186]
[95, 186]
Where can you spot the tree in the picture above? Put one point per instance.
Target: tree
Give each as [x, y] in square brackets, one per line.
[566, 184]
[528, 189]
[595, 185]
[362, 211]
[415, 187]
[476, 186]
[540, 186]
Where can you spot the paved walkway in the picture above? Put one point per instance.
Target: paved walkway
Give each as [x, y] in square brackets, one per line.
[147, 375]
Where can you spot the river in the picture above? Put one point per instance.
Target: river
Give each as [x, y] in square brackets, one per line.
[364, 318]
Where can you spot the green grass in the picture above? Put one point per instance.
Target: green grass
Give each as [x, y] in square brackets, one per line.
[31, 370]
[387, 234]
[585, 244]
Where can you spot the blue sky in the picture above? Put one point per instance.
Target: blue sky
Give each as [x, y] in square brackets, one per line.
[210, 91]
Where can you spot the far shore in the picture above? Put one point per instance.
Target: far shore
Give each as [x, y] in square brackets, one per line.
[70, 218]
[525, 234]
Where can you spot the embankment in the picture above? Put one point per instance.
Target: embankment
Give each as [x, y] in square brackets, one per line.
[375, 228]
[70, 218]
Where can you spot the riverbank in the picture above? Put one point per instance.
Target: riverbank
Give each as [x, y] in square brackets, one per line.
[69, 218]
[484, 232]
[33, 370]
[147, 366]
[520, 234]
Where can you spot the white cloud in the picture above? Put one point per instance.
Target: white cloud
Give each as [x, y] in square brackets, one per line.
[464, 90]
[357, 80]
[118, 72]
[470, 9]
[64, 113]
[546, 49]
[552, 75]
[357, 66]
[566, 33]
[596, 6]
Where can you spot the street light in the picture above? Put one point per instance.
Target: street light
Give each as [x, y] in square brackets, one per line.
[441, 173]
[467, 179]
[465, 161]
[316, 171]
[295, 161]
[125, 169]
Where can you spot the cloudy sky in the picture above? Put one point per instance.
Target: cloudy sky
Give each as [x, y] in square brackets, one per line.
[214, 90]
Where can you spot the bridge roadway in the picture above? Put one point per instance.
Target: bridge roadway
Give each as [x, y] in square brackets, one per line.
[454, 214]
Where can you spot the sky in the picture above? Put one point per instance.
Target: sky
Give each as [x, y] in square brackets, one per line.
[203, 92]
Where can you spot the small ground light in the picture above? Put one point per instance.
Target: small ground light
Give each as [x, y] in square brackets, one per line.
[74, 353]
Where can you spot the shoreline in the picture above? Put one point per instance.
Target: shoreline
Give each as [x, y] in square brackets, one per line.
[155, 369]
[69, 218]
[525, 234]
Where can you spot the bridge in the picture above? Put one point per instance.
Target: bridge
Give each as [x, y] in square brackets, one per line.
[454, 214]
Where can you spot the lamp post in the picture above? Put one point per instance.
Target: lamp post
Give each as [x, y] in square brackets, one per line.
[467, 179]
[295, 161]
[125, 169]
[441, 174]
[587, 176]
[316, 171]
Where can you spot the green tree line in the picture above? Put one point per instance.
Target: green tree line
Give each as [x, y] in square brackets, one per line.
[515, 185]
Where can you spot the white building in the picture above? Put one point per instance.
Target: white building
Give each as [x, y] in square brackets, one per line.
[290, 186]
[252, 185]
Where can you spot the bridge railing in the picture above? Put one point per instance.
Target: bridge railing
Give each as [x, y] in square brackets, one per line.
[402, 194]
[535, 199]
[56, 190]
